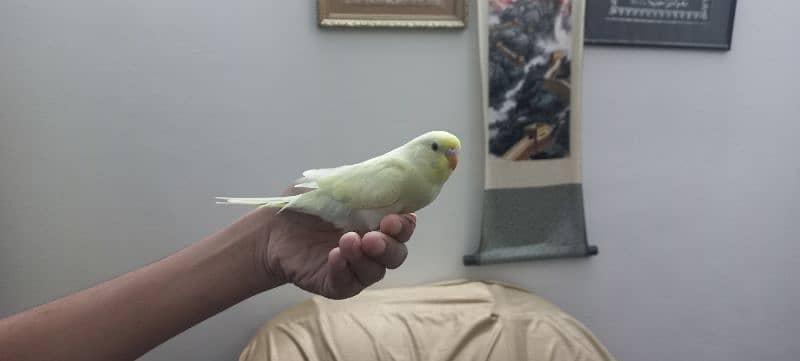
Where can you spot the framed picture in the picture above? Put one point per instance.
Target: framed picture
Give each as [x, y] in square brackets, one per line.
[664, 23]
[393, 13]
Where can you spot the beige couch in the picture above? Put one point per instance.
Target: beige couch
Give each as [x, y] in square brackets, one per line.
[457, 320]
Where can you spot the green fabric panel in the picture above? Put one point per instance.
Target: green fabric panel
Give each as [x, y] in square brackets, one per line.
[522, 224]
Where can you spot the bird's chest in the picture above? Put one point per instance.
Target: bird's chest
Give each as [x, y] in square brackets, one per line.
[419, 195]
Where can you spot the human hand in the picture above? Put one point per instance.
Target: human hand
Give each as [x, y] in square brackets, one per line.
[312, 254]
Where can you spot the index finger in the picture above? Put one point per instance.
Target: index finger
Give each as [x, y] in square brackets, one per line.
[400, 227]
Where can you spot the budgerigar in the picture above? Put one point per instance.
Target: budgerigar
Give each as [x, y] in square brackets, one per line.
[356, 197]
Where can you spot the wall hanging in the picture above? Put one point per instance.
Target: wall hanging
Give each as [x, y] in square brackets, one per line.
[664, 23]
[531, 52]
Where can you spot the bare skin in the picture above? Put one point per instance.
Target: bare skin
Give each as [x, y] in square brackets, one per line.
[123, 318]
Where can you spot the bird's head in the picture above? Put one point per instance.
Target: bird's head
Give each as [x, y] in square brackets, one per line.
[436, 151]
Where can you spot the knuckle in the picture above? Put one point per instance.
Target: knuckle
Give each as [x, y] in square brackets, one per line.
[402, 254]
[397, 261]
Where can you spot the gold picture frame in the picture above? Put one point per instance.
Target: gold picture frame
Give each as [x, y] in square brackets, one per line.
[450, 14]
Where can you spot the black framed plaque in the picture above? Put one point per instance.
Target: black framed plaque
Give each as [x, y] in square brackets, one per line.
[663, 23]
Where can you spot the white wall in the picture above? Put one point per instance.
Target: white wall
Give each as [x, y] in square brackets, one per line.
[119, 121]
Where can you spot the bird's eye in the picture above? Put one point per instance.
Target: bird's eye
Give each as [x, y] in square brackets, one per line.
[435, 147]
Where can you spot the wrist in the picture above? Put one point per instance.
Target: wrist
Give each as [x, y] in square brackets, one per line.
[267, 275]
[252, 233]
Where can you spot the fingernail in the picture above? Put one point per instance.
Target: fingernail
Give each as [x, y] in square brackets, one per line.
[374, 244]
[351, 239]
[357, 244]
[396, 228]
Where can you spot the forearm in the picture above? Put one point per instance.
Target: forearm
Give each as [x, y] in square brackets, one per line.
[123, 318]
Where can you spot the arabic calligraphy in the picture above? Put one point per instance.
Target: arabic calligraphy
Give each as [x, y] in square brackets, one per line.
[660, 11]
[662, 4]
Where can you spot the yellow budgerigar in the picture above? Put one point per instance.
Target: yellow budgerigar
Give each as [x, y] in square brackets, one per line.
[356, 197]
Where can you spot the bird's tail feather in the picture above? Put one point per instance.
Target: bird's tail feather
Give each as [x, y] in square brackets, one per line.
[271, 202]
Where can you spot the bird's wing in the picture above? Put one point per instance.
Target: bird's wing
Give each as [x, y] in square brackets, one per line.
[374, 184]
[311, 176]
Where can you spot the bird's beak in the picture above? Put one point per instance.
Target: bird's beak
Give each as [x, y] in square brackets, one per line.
[452, 158]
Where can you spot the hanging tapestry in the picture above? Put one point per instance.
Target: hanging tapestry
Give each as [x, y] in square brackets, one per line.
[531, 52]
